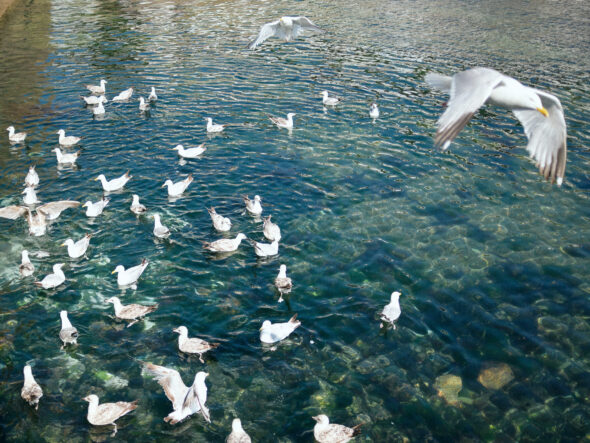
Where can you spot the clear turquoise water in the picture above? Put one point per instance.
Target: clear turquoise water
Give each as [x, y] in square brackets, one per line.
[492, 262]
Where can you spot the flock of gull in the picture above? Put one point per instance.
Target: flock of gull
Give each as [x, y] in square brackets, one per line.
[539, 112]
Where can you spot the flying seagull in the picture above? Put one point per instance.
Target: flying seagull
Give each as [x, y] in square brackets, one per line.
[287, 28]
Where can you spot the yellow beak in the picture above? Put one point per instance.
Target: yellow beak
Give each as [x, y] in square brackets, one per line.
[543, 111]
[113, 272]
[63, 244]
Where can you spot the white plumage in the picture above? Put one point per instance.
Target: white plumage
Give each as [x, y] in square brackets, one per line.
[160, 230]
[98, 89]
[67, 140]
[178, 188]
[77, 249]
[392, 310]
[123, 95]
[191, 152]
[16, 137]
[51, 281]
[222, 224]
[115, 184]
[66, 159]
[130, 276]
[95, 209]
[286, 28]
[272, 333]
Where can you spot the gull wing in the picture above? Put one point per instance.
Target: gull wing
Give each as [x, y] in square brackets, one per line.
[547, 136]
[170, 380]
[267, 30]
[469, 91]
[54, 209]
[12, 212]
[301, 24]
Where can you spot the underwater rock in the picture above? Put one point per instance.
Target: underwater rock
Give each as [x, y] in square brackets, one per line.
[448, 387]
[496, 376]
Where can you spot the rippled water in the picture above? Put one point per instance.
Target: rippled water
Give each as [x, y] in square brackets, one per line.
[492, 262]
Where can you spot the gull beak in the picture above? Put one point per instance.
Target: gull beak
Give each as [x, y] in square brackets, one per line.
[543, 111]
[84, 205]
[63, 244]
[175, 330]
[96, 179]
[114, 272]
[164, 185]
[316, 418]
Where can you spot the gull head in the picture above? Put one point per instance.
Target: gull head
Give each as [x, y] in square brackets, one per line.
[68, 242]
[291, 114]
[32, 168]
[135, 199]
[257, 198]
[91, 398]
[209, 120]
[10, 129]
[201, 376]
[265, 325]
[103, 82]
[395, 295]
[182, 330]
[283, 269]
[28, 371]
[241, 236]
[25, 254]
[156, 218]
[324, 94]
[63, 315]
[100, 177]
[178, 148]
[236, 425]
[87, 204]
[286, 21]
[322, 419]
[113, 300]
[167, 183]
[61, 132]
[57, 267]
[118, 269]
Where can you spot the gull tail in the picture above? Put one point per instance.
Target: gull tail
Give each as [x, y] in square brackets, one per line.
[356, 430]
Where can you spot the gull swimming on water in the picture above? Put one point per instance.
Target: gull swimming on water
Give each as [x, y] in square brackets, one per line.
[152, 97]
[132, 311]
[31, 391]
[271, 230]
[176, 189]
[160, 230]
[51, 281]
[282, 282]
[143, 106]
[325, 432]
[191, 152]
[95, 209]
[266, 249]
[220, 223]
[286, 123]
[32, 178]
[98, 90]
[69, 140]
[286, 28]
[66, 159]
[123, 95]
[185, 401]
[329, 101]
[107, 413]
[94, 100]
[211, 127]
[193, 345]
[224, 244]
[130, 276]
[15, 137]
[26, 268]
[136, 207]
[114, 184]
[30, 197]
[98, 110]
[68, 334]
[272, 333]
[238, 435]
[77, 249]
[539, 112]
[253, 206]
[392, 310]
[374, 112]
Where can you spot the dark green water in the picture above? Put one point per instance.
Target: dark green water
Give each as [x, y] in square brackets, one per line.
[492, 262]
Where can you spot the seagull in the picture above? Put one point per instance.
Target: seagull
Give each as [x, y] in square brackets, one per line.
[176, 189]
[392, 311]
[143, 106]
[130, 276]
[225, 244]
[271, 230]
[238, 435]
[30, 197]
[185, 401]
[324, 432]
[136, 207]
[31, 391]
[98, 110]
[94, 100]
[98, 90]
[114, 184]
[52, 210]
[286, 28]
[282, 282]
[286, 123]
[95, 209]
[374, 112]
[67, 141]
[51, 281]
[26, 268]
[539, 112]
[77, 249]
[107, 413]
[67, 334]
[66, 159]
[17, 137]
[152, 97]
[329, 101]
[32, 178]
[272, 333]
[191, 152]
[253, 207]
[123, 95]
[132, 312]
[214, 127]
[193, 345]
[160, 230]
[266, 249]
[220, 223]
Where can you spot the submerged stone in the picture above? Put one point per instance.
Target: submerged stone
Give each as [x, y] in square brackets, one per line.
[496, 376]
[448, 387]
